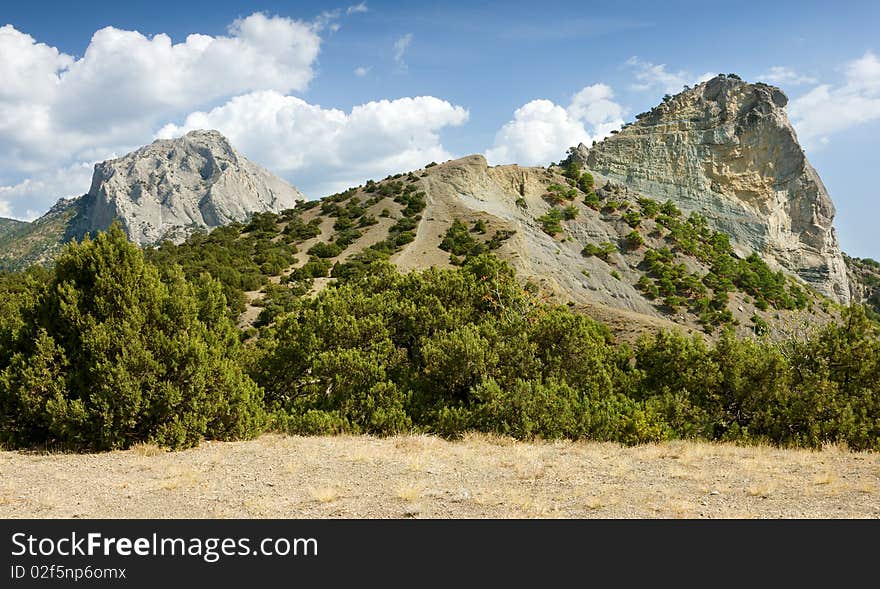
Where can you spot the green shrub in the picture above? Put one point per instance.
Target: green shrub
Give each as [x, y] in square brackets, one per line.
[632, 218]
[458, 241]
[325, 250]
[586, 183]
[602, 251]
[115, 352]
[761, 327]
[634, 239]
[650, 208]
[550, 223]
[557, 194]
[312, 422]
[528, 410]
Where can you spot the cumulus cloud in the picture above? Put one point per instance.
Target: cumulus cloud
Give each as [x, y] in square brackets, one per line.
[828, 109]
[400, 47]
[126, 82]
[594, 106]
[327, 150]
[651, 76]
[362, 71]
[57, 110]
[62, 182]
[356, 8]
[541, 131]
[783, 76]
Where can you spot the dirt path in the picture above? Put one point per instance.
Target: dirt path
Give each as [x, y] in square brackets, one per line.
[420, 476]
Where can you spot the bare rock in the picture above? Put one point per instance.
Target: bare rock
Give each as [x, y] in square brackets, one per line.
[726, 148]
[169, 188]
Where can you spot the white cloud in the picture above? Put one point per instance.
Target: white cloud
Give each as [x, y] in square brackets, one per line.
[362, 71]
[541, 131]
[56, 110]
[329, 19]
[5, 207]
[783, 76]
[651, 76]
[400, 47]
[61, 182]
[326, 150]
[828, 109]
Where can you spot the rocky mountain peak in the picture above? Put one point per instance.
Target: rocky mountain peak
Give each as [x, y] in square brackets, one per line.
[169, 188]
[726, 149]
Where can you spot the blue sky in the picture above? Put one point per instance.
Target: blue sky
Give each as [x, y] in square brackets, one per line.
[497, 74]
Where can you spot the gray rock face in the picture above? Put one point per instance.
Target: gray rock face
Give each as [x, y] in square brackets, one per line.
[726, 148]
[169, 188]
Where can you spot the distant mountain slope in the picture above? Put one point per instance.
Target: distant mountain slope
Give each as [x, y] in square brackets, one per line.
[10, 226]
[865, 281]
[165, 190]
[37, 242]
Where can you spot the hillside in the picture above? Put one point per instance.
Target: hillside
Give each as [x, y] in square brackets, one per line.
[10, 226]
[632, 262]
[702, 213]
[117, 344]
[37, 242]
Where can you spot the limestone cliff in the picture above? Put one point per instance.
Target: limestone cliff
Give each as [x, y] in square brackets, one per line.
[726, 148]
[170, 187]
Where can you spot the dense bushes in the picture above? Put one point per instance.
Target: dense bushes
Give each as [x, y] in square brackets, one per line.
[111, 352]
[800, 393]
[447, 351]
[444, 351]
[107, 349]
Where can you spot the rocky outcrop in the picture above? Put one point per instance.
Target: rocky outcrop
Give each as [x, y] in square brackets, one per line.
[169, 188]
[726, 148]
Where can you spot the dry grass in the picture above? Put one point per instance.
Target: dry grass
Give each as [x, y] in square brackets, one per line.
[594, 503]
[424, 476]
[825, 478]
[180, 478]
[143, 449]
[410, 493]
[763, 489]
[324, 494]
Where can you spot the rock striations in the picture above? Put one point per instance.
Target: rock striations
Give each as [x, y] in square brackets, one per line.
[726, 148]
[167, 189]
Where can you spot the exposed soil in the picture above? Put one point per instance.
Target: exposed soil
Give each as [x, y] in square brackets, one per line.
[420, 476]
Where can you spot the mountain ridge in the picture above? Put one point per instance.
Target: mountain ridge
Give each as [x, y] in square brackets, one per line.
[596, 231]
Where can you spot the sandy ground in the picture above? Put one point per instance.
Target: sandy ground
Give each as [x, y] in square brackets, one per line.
[419, 476]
